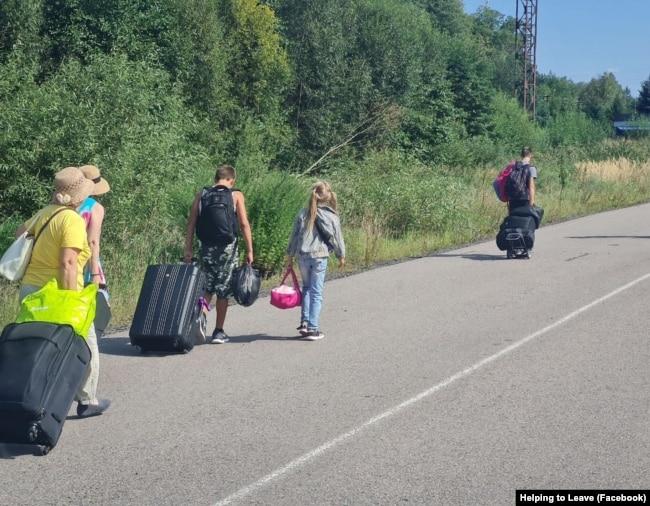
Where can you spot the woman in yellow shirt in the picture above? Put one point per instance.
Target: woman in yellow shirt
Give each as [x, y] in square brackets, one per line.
[62, 252]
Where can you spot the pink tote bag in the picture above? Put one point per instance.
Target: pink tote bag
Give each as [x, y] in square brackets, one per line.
[285, 296]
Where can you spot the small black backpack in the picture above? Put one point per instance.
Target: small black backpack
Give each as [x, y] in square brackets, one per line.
[217, 224]
[517, 184]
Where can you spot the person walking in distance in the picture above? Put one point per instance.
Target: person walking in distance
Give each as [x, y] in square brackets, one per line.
[521, 182]
[521, 189]
[218, 214]
[316, 233]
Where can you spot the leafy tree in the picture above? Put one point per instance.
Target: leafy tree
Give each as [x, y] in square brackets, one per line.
[469, 75]
[556, 96]
[493, 32]
[357, 60]
[447, 15]
[643, 102]
[125, 116]
[603, 99]
[184, 37]
[259, 65]
[623, 106]
[333, 89]
[408, 60]
[510, 126]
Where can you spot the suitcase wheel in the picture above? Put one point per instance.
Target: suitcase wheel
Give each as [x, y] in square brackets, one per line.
[32, 432]
[510, 254]
[43, 450]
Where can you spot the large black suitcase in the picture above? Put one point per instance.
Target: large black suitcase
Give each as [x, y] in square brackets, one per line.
[167, 308]
[42, 365]
[523, 225]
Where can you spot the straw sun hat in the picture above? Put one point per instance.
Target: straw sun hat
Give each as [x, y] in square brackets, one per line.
[71, 187]
[101, 185]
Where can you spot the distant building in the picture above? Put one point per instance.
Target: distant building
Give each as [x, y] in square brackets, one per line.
[627, 128]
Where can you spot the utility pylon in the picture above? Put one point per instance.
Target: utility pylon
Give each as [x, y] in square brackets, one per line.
[526, 52]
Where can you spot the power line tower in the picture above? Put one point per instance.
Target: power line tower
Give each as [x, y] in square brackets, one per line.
[526, 52]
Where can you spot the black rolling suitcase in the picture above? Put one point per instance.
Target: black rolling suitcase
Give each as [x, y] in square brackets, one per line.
[168, 308]
[42, 365]
[517, 236]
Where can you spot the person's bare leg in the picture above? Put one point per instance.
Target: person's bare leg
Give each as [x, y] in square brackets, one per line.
[219, 336]
[222, 309]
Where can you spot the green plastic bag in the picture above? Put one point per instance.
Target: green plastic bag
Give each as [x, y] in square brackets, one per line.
[64, 307]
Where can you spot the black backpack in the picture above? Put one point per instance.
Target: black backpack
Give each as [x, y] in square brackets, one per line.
[517, 184]
[217, 224]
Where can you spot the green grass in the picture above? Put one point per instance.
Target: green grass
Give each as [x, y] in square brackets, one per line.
[368, 246]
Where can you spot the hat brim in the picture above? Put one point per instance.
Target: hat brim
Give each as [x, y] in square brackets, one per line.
[101, 187]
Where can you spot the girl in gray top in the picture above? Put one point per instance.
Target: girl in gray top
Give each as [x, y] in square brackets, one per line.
[316, 233]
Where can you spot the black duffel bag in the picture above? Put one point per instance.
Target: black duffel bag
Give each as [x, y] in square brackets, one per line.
[524, 225]
[246, 284]
[535, 212]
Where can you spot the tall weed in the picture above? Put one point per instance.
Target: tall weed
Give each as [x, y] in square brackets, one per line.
[404, 193]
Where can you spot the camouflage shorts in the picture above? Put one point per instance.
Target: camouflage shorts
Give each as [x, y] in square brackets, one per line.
[218, 262]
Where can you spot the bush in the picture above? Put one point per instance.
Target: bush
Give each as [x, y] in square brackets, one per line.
[273, 200]
[511, 128]
[574, 128]
[406, 194]
[128, 119]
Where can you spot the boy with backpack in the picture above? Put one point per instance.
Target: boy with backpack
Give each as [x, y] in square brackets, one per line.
[516, 185]
[520, 186]
[218, 214]
[521, 189]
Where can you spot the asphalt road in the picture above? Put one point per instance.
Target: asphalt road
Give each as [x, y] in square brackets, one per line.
[452, 379]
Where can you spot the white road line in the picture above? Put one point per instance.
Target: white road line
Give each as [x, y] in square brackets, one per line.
[303, 459]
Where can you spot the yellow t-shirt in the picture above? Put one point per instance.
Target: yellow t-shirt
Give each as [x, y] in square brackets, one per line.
[66, 230]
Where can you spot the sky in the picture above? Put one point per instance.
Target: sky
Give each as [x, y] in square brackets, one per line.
[581, 39]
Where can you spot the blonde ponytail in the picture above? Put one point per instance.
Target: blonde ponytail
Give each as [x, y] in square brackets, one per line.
[321, 194]
[312, 205]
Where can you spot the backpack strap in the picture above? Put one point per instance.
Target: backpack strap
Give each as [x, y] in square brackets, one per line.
[204, 190]
[324, 235]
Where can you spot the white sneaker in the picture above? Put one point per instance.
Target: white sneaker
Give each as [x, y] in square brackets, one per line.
[314, 335]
